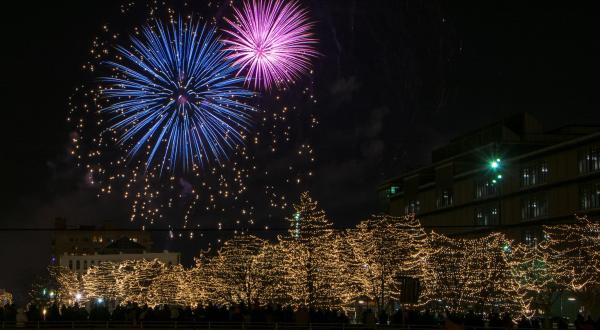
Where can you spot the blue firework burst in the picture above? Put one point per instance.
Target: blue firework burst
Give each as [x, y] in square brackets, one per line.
[174, 97]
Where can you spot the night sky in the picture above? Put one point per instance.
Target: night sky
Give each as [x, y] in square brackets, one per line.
[396, 79]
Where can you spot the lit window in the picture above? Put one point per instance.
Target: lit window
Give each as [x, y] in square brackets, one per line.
[590, 195]
[487, 215]
[413, 206]
[444, 198]
[485, 188]
[534, 206]
[530, 238]
[534, 174]
[589, 159]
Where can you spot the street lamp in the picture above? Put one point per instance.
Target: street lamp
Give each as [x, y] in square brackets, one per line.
[494, 164]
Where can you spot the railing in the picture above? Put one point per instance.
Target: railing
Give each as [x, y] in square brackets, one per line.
[204, 325]
[222, 325]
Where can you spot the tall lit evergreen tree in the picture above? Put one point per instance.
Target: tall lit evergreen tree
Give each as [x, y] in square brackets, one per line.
[313, 262]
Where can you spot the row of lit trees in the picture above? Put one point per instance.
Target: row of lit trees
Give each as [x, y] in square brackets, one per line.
[317, 266]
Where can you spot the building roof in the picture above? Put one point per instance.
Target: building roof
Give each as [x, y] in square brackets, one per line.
[515, 136]
[124, 245]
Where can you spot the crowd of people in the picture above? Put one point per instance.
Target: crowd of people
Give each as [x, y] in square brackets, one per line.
[135, 315]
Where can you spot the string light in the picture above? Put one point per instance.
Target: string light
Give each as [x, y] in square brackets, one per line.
[314, 266]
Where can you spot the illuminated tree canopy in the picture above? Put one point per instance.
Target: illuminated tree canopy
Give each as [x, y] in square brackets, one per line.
[315, 266]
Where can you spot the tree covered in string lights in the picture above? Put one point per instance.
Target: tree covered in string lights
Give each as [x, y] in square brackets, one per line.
[171, 287]
[535, 286]
[312, 262]
[274, 263]
[234, 271]
[313, 266]
[462, 274]
[134, 279]
[572, 255]
[100, 282]
[383, 251]
[6, 298]
[69, 286]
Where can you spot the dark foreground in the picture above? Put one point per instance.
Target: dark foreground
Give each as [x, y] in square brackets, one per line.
[236, 325]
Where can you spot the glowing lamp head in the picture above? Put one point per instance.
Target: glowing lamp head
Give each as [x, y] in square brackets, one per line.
[99, 300]
[494, 164]
[78, 296]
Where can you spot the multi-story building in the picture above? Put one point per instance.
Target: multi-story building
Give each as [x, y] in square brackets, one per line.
[79, 248]
[91, 239]
[511, 175]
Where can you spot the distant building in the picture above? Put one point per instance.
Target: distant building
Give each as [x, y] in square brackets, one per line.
[91, 239]
[510, 175]
[79, 248]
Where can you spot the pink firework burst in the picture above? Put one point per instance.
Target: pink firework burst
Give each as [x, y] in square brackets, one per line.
[271, 41]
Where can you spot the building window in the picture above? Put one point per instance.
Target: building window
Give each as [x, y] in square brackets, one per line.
[534, 174]
[71, 264]
[77, 264]
[85, 264]
[589, 159]
[530, 238]
[487, 215]
[590, 195]
[92, 262]
[534, 206]
[413, 206]
[485, 188]
[444, 198]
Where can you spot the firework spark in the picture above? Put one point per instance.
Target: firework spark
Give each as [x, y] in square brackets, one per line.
[249, 187]
[271, 41]
[175, 97]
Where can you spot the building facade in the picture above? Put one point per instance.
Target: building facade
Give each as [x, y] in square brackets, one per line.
[81, 247]
[91, 239]
[511, 175]
[80, 263]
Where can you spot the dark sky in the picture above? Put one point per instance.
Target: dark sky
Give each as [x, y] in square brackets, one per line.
[396, 79]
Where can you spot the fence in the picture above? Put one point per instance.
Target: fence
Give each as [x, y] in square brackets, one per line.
[225, 326]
